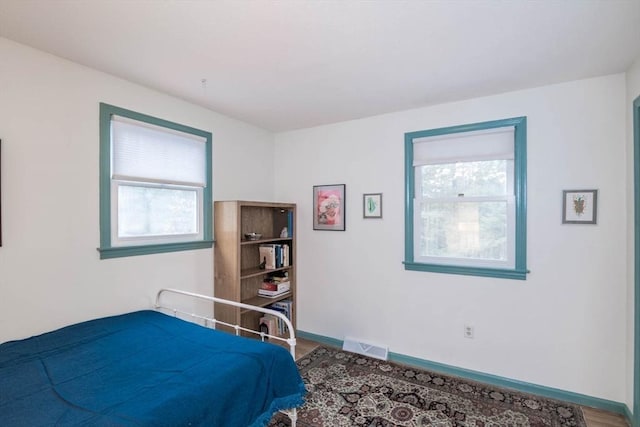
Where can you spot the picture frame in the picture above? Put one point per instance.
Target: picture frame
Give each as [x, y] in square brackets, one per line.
[372, 205]
[579, 206]
[0, 193]
[329, 206]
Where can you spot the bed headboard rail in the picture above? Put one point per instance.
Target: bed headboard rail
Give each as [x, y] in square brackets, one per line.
[212, 322]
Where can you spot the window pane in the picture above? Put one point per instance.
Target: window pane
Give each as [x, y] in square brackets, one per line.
[471, 230]
[482, 178]
[152, 211]
[153, 153]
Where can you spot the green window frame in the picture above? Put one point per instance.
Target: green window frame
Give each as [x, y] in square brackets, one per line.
[110, 249]
[519, 269]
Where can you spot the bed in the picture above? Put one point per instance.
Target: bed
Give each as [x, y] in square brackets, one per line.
[147, 368]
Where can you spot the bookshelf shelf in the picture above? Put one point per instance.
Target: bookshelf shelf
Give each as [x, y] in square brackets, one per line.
[268, 240]
[255, 271]
[237, 276]
[263, 302]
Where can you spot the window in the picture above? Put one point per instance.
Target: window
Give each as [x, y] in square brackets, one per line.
[465, 210]
[155, 185]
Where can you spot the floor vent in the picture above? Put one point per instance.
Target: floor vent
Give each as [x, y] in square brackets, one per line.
[367, 349]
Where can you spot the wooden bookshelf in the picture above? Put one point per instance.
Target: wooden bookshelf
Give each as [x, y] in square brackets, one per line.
[237, 275]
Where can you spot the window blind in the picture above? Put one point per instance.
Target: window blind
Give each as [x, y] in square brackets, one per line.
[489, 144]
[144, 152]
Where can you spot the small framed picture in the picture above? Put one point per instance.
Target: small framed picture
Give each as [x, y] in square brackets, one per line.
[372, 205]
[579, 206]
[329, 206]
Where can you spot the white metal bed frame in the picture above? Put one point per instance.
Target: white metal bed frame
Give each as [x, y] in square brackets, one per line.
[212, 322]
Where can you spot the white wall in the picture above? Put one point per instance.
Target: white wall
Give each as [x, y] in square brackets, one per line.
[563, 327]
[633, 91]
[50, 272]
[560, 328]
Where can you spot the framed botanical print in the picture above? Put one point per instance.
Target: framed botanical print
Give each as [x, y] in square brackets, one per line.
[579, 206]
[372, 205]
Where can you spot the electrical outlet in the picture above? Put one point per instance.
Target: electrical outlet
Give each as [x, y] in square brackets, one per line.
[468, 331]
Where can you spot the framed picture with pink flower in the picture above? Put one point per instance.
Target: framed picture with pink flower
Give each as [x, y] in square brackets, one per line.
[329, 207]
[579, 206]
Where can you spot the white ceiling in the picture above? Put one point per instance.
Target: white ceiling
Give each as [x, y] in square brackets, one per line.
[292, 64]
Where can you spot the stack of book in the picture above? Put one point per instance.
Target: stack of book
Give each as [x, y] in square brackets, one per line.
[274, 288]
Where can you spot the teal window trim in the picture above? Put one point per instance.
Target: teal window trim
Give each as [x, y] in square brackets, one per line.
[520, 189]
[635, 421]
[106, 249]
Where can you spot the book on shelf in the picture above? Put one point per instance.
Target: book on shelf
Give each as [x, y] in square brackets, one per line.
[272, 294]
[285, 255]
[290, 223]
[275, 285]
[269, 324]
[268, 256]
[283, 307]
[278, 251]
[274, 255]
[282, 255]
[279, 276]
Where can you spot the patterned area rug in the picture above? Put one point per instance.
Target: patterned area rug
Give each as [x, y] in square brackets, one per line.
[346, 389]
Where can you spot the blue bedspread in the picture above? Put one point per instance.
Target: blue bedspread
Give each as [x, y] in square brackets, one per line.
[144, 369]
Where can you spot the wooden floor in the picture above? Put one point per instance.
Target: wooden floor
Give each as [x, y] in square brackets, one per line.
[593, 417]
[303, 347]
[599, 418]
